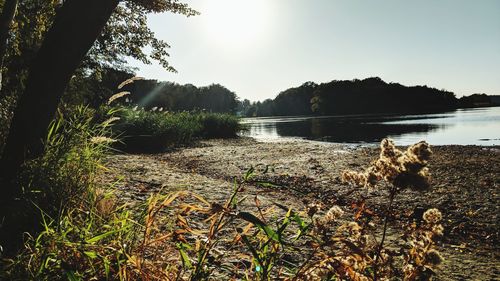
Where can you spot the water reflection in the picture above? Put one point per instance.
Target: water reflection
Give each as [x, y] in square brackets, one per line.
[350, 132]
[476, 126]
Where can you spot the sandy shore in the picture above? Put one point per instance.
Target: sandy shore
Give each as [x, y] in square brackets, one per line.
[465, 187]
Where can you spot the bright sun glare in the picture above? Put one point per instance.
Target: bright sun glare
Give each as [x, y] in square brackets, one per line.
[236, 24]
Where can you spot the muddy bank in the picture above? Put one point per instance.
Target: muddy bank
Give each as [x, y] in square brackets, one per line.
[465, 187]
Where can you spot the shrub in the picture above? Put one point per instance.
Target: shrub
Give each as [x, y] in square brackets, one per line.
[154, 131]
[219, 125]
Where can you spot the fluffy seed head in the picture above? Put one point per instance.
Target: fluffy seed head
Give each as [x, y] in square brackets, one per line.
[117, 96]
[438, 230]
[432, 216]
[333, 214]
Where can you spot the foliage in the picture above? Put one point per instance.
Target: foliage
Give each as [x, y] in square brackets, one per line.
[295, 101]
[175, 97]
[476, 100]
[125, 36]
[73, 150]
[156, 130]
[218, 125]
[371, 95]
[83, 233]
[31, 22]
[96, 88]
[87, 242]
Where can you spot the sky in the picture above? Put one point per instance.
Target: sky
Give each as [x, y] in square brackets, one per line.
[258, 48]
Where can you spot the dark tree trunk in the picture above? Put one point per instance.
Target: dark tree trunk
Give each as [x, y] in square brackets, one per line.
[76, 26]
[8, 12]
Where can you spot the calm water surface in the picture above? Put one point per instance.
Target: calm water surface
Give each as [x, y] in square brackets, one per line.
[480, 126]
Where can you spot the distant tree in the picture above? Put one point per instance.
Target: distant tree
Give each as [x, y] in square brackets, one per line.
[176, 97]
[373, 95]
[475, 100]
[265, 108]
[217, 98]
[251, 110]
[243, 107]
[94, 89]
[295, 101]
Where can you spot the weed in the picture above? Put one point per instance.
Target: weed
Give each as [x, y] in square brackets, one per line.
[153, 131]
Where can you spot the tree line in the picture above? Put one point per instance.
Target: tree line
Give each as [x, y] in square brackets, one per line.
[370, 95]
[175, 97]
[148, 93]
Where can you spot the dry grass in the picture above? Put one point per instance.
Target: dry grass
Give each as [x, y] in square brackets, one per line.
[181, 235]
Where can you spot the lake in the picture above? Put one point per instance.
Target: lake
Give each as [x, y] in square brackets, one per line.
[478, 126]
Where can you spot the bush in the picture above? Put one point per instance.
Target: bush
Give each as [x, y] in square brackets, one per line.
[66, 171]
[154, 131]
[219, 125]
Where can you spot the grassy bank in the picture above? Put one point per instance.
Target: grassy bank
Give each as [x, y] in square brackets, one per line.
[154, 131]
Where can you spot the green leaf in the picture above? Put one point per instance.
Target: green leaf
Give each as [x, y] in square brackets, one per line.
[260, 224]
[267, 184]
[104, 235]
[303, 226]
[106, 266]
[249, 174]
[185, 258]
[90, 254]
[252, 249]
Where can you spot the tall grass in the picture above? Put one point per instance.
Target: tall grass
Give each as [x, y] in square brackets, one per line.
[74, 230]
[85, 235]
[66, 171]
[154, 131]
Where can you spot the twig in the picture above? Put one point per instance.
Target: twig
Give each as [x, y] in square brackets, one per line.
[381, 245]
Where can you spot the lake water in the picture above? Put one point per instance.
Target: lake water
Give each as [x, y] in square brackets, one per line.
[479, 126]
